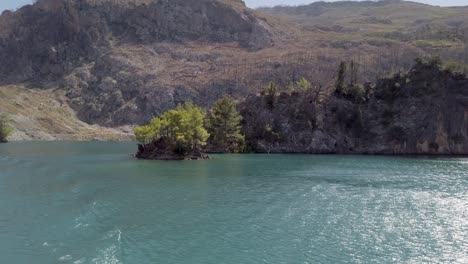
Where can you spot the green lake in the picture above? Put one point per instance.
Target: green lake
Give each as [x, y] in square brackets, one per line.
[93, 203]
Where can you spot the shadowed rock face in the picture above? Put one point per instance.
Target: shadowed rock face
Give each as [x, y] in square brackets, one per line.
[44, 41]
[422, 112]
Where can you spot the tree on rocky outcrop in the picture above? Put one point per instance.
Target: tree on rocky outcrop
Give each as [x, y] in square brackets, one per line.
[270, 93]
[180, 129]
[340, 79]
[223, 125]
[148, 133]
[353, 90]
[353, 73]
[5, 128]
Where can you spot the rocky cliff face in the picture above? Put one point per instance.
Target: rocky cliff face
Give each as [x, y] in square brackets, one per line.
[422, 112]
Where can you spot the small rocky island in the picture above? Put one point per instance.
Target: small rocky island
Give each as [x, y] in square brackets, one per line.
[188, 133]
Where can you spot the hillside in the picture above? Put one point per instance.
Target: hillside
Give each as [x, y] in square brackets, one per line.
[40, 114]
[436, 30]
[121, 62]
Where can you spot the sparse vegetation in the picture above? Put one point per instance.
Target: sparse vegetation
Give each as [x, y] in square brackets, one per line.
[455, 67]
[304, 84]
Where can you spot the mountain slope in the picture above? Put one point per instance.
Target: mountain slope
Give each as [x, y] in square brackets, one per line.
[439, 30]
[46, 40]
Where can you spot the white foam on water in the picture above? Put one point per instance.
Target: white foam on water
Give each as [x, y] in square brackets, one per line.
[110, 254]
[78, 225]
[65, 258]
[80, 261]
[114, 233]
[107, 256]
[83, 220]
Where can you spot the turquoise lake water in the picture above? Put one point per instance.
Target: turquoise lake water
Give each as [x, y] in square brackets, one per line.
[93, 203]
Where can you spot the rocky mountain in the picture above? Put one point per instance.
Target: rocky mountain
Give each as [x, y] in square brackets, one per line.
[110, 56]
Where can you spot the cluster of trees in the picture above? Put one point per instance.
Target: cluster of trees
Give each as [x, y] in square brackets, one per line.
[5, 128]
[272, 91]
[182, 128]
[347, 83]
[188, 128]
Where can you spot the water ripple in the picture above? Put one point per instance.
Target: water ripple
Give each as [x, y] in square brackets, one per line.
[83, 203]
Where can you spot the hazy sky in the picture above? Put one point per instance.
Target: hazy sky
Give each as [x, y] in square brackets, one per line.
[13, 4]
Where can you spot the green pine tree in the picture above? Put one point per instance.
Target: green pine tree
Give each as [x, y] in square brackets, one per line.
[353, 70]
[223, 124]
[340, 79]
